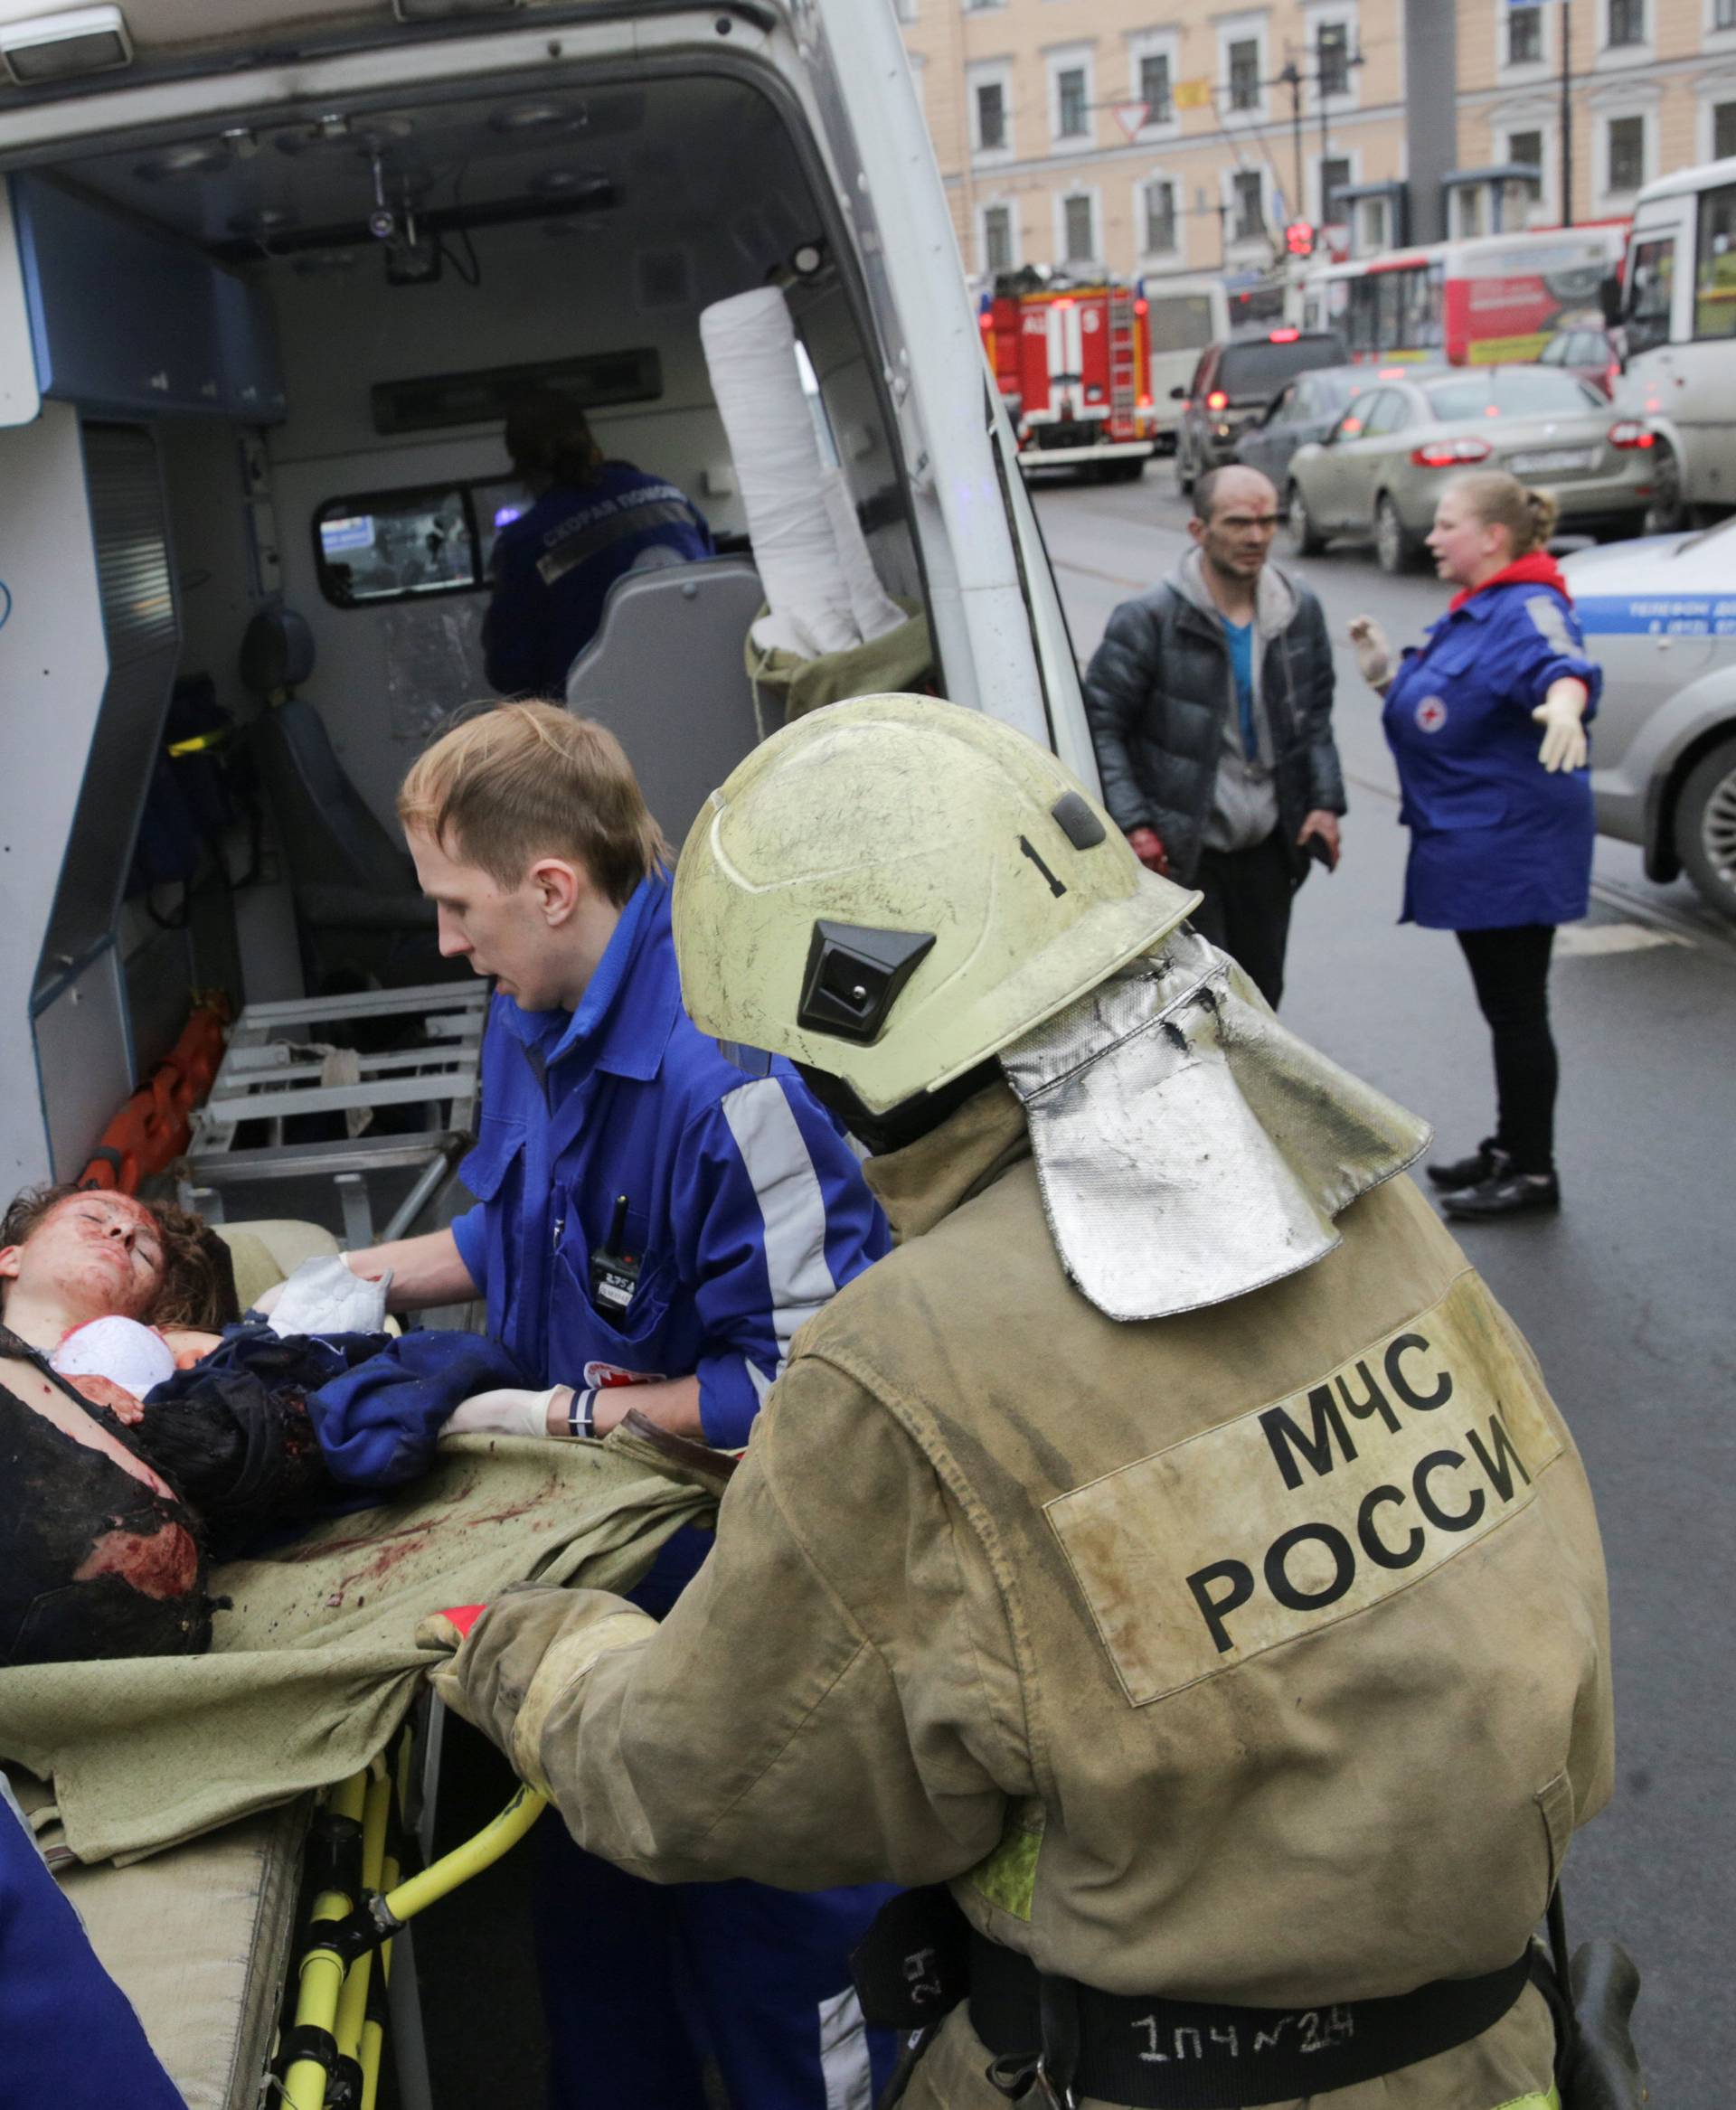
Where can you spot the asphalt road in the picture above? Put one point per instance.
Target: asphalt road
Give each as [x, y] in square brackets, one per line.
[1627, 1297]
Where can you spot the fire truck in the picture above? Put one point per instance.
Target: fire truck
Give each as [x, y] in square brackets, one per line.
[1072, 360]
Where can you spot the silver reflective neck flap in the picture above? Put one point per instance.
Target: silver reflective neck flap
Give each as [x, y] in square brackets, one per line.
[1190, 1148]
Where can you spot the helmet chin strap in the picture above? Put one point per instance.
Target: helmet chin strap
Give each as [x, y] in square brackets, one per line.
[910, 1119]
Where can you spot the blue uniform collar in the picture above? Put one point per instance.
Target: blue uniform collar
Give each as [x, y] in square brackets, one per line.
[625, 1017]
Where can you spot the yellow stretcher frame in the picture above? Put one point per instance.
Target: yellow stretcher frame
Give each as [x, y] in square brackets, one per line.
[333, 2049]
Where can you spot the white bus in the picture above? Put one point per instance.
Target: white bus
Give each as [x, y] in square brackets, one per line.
[1675, 304]
[1478, 302]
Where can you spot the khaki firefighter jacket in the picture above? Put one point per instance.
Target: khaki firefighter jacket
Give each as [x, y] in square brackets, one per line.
[1257, 1655]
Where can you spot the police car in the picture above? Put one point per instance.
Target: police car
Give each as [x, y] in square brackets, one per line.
[1660, 618]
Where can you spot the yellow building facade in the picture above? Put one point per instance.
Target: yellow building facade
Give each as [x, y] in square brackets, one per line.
[1168, 142]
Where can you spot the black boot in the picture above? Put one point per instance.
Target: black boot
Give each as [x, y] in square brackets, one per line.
[1485, 1163]
[1504, 1193]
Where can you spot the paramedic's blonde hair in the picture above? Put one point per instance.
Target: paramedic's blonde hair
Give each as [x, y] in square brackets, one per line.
[1498, 500]
[530, 780]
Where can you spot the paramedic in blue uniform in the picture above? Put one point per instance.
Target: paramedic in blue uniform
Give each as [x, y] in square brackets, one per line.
[68, 2037]
[651, 1228]
[590, 524]
[1499, 811]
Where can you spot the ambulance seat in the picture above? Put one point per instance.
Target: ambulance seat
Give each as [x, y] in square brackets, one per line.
[667, 672]
[357, 897]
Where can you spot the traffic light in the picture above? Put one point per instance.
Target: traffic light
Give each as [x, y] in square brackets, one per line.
[1298, 238]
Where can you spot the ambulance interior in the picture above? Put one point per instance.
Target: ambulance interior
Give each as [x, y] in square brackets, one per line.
[383, 275]
[305, 529]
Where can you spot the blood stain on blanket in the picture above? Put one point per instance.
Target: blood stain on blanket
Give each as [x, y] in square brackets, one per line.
[158, 1564]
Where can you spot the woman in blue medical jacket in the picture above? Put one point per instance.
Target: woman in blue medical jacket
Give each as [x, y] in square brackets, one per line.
[1500, 812]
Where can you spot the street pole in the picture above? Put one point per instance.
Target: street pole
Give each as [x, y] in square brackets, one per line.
[1567, 112]
[1291, 78]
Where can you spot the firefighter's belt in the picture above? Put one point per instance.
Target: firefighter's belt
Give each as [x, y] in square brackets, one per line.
[1193, 2055]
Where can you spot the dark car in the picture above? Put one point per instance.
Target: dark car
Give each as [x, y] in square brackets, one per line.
[1588, 350]
[1234, 380]
[1306, 408]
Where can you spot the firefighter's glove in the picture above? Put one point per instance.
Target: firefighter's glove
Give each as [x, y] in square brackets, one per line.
[517, 1659]
[507, 1410]
[1374, 652]
[1562, 715]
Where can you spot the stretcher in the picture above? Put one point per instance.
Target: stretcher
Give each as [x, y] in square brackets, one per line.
[269, 1962]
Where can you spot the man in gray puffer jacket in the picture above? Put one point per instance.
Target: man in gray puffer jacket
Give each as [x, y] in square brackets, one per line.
[1210, 701]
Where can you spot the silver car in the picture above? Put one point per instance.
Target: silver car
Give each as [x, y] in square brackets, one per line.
[1387, 460]
[1305, 409]
[1660, 618]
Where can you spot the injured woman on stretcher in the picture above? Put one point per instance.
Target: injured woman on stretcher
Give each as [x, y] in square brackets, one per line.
[147, 1430]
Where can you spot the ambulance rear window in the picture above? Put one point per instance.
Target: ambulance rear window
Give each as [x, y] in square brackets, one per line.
[396, 545]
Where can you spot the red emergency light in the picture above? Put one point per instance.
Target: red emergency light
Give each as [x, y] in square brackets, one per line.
[1283, 336]
[1631, 433]
[1142, 307]
[1217, 400]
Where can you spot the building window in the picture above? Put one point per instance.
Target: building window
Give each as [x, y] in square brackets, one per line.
[1723, 129]
[1524, 37]
[1370, 226]
[990, 116]
[1160, 219]
[1626, 153]
[998, 238]
[1248, 216]
[1525, 150]
[1078, 228]
[1332, 57]
[1155, 86]
[1724, 14]
[1070, 101]
[1335, 173]
[1244, 74]
[1626, 22]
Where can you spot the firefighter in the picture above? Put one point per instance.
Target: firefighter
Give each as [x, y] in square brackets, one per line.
[1171, 1546]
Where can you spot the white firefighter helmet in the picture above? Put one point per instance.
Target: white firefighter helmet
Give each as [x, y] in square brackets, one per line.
[892, 889]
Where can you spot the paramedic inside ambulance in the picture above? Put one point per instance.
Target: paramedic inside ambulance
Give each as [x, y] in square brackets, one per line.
[590, 522]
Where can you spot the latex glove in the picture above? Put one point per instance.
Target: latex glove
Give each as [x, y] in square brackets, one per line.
[1562, 715]
[1374, 652]
[508, 1410]
[1148, 846]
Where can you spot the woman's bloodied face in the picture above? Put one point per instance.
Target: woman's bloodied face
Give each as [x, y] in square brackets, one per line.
[92, 1254]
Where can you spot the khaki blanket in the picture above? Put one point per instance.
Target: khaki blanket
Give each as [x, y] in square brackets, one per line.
[313, 1666]
[900, 660]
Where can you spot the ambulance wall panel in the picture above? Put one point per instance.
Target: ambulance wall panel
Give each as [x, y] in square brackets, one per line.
[84, 1060]
[386, 675]
[53, 665]
[20, 399]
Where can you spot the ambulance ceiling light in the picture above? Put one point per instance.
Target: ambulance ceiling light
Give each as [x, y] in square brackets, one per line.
[193, 157]
[337, 134]
[63, 47]
[323, 263]
[533, 117]
[568, 183]
[445, 10]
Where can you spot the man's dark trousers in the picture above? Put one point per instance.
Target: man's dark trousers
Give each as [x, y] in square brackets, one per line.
[1246, 911]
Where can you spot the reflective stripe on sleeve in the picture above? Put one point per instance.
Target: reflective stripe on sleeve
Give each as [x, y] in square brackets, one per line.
[792, 1205]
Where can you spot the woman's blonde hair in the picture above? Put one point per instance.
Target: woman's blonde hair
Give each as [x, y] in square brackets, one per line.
[1498, 500]
[529, 780]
